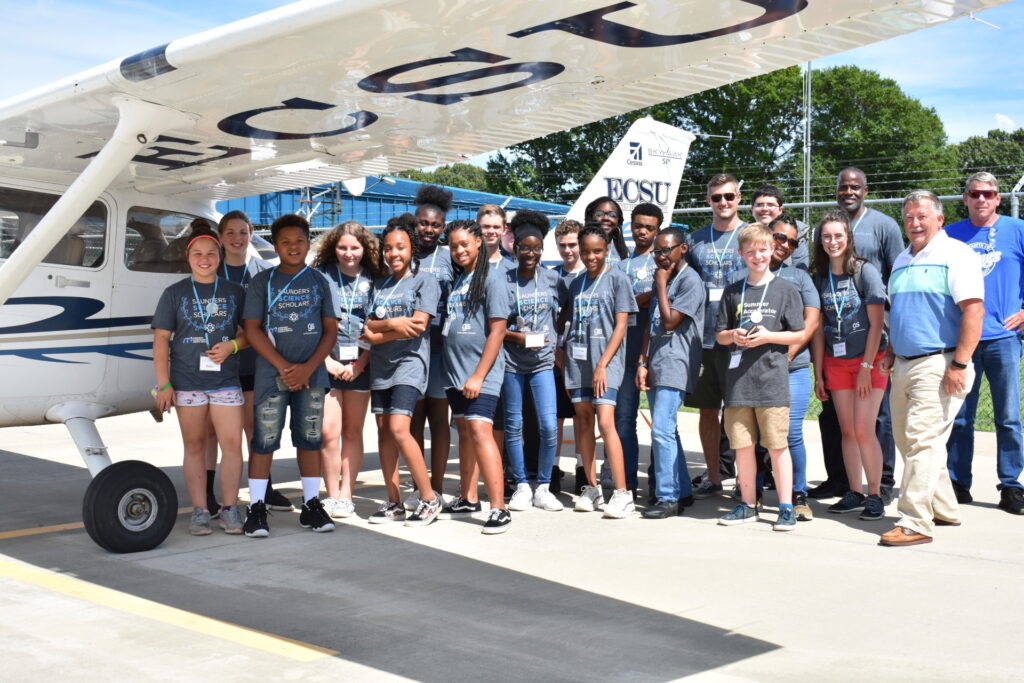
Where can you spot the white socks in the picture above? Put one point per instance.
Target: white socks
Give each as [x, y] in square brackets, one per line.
[258, 490]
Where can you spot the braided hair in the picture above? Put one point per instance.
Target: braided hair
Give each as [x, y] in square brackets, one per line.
[402, 223]
[616, 233]
[478, 282]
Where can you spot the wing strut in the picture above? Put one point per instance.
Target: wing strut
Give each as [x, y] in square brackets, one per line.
[139, 124]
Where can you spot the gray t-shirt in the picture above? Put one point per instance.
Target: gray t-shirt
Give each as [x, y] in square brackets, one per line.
[761, 377]
[353, 296]
[291, 309]
[438, 264]
[878, 239]
[593, 305]
[810, 298]
[243, 275]
[533, 307]
[840, 298]
[403, 361]
[192, 323]
[674, 356]
[467, 327]
[716, 258]
[640, 270]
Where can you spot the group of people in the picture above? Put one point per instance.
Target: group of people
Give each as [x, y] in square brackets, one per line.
[433, 316]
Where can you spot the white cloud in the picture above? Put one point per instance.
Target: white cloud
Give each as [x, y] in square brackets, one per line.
[1005, 122]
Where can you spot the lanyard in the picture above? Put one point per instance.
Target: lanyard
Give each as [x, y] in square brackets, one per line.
[580, 315]
[348, 303]
[853, 228]
[227, 276]
[209, 309]
[378, 304]
[455, 292]
[743, 297]
[536, 303]
[271, 302]
[837, 304]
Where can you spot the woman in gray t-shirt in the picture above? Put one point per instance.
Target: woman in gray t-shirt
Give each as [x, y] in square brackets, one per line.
[600, 301]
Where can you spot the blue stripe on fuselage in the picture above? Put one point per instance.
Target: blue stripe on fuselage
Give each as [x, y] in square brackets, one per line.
[115, 350]
[76, 315]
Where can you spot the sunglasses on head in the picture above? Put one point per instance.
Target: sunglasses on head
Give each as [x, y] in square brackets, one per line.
[987, 194]
[782, 237]
[728, 196]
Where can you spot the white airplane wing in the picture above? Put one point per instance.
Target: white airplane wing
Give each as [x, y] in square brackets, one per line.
[327, 90]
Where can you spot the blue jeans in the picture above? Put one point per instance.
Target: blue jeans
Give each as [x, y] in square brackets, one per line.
[999, 360]
[542, 389]
[307, 420]
[672, 478]
[627, 407]
[799, 395]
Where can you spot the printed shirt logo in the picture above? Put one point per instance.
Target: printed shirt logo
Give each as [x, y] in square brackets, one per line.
[989, 258]
[222, 317]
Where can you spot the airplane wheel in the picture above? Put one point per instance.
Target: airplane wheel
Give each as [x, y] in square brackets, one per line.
[130, 506]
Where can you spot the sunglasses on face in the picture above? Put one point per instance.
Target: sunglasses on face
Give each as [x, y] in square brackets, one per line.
[987, 194]
[727, 196]
[666, 250]
[785, 239]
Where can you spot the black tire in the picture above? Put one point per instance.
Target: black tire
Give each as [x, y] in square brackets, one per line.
[129, 507]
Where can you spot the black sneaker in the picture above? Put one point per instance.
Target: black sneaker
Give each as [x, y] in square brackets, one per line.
[426, 512]
[850, 502]
[685, 503]
[886, 496]
[313, 516]
[1011, 499]
[873, 508]
[555, 486]
[581, 480]
[213, 506]
[256, 521]
[825, 489]
[460, 507]
[278, 501]
[498, 522]
[663, 509]
[963, 495]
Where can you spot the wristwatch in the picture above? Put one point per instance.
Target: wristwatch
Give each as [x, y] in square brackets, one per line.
[957, 364]
[641, 364]
[865, 364]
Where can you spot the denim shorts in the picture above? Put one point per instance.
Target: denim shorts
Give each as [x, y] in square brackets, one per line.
[360, 383]
[397, 400]
[307, 420]
[608, 398]
[481, 408]
[436, 378]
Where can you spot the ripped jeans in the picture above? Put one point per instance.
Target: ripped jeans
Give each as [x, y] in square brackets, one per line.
[307, 420]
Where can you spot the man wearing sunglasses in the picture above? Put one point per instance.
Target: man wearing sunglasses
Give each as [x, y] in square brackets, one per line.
[713, 253]
[999, 240]
[878, 239]
[766, 206]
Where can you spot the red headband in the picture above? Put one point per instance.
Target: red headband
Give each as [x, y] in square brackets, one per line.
[199, 237]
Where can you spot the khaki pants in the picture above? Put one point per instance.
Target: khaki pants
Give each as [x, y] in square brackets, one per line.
[922, 418]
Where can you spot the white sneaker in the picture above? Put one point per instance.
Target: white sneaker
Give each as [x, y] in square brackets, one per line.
[330, 505]
[521, 499]
[620, 505]
[412, 501]
[343, 508]
[606, 480]
[545, 500]
[591, 499]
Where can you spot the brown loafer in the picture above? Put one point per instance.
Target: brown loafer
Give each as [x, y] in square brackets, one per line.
[900, 536]
[945, 522]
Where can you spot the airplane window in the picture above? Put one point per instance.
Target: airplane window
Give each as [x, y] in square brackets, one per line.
[156, 240]
[83, 245]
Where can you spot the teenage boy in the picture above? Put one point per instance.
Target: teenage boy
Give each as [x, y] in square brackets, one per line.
[668, 367]
[759, 319]
[291, 320]
[567, 239]
[646, 220]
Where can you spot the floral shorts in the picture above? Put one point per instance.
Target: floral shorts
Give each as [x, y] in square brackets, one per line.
[217, 397]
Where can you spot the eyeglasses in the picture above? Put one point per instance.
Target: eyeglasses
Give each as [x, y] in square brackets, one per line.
[987, 194]
[530, 250]
[727, 196]
[785, 239]
[666, 251]
[610, 214]
[766, 205]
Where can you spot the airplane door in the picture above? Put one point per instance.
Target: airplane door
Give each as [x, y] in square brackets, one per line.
[53, 330]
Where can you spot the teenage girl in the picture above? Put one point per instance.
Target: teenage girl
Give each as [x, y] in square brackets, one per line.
[534, 295]
[350, 258]
[601, 300]
[403, 303]
[474, 328]
[607, 213]
[432, 204]
[196, 340]
[846, 351]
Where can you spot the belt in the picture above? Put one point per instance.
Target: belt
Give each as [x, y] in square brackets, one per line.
[930, 353]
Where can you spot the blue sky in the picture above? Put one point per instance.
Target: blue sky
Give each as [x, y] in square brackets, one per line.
[967, 71]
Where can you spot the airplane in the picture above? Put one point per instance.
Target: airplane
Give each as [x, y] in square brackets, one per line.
[100, 172]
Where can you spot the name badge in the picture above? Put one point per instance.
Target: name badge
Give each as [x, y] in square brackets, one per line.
[715, 293]
[447, 326]
[363, 344]
[838, 349]
[579, 351]
[270, 336]
[734, 359]
[348, 352]
[207, 365]
[631, 320]
[534, 340]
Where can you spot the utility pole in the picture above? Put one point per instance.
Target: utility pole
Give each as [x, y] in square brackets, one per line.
[807, 141]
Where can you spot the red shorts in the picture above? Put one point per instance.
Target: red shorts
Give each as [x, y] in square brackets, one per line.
[841, 373]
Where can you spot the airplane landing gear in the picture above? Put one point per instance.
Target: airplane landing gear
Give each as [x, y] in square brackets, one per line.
[130, 506]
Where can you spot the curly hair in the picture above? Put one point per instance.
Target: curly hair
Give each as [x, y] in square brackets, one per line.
[402, 223]
[529, 221]
[328, 242]
[477, 283]
[434, 197]
[616, 233]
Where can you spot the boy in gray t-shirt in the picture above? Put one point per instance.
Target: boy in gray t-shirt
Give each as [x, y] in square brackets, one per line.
[757, 321]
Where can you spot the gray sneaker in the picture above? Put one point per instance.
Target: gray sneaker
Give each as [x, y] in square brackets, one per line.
[230, 520]
[706, 489]
[741, 514]
[199, 525]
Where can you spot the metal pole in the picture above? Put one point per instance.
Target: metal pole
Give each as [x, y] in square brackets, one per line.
[807, 140]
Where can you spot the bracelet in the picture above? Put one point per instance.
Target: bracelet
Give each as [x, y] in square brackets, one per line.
[641, 364]
[235, 344]
[157, 388]
[356, 366]
[865, 364]
[957, 364]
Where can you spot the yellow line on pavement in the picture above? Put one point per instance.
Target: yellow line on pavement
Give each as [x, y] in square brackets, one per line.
[107, 597]
[53, 528]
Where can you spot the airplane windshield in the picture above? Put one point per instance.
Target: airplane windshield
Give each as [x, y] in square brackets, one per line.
[21, 211]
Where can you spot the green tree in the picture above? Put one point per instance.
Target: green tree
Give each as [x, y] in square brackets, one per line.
[1001, 153]
[466, 176]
